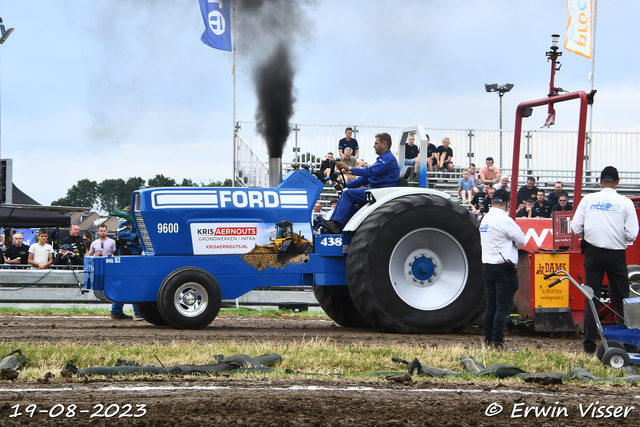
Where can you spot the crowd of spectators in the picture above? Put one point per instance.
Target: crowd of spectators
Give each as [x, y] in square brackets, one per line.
[474, 188]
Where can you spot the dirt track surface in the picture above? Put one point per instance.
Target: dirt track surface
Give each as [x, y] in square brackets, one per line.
[300, 401]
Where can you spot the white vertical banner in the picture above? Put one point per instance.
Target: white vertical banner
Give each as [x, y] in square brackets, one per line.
[580, 27]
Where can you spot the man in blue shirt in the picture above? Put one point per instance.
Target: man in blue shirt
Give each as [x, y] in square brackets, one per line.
[347, 141]
[383, 173]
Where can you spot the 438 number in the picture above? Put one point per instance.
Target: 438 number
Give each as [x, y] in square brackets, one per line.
[331, 241]
[168, 227]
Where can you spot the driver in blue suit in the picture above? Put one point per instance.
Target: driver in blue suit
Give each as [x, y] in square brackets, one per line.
[385, 172]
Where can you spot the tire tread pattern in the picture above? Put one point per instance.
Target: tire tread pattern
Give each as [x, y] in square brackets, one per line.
[370, 249]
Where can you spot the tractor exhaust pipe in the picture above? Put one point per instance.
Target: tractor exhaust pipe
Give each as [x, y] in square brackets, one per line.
[275, 171]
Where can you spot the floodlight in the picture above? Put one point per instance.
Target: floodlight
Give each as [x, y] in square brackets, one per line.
[5, 33]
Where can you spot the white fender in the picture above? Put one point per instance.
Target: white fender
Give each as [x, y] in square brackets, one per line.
[384, 195]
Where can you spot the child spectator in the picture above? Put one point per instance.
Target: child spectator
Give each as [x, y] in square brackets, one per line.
[41, 254]
[486, 205]
[478, 202]
[477, 184]
[465, 187]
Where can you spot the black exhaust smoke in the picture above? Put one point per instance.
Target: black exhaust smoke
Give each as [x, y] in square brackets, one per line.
[269, 30]
[274, 87]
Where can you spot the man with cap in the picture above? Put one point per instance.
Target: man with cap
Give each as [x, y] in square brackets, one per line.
[500, 238]
[607, 222]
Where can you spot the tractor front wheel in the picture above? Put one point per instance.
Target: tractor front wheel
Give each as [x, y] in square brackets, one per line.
[189, 298]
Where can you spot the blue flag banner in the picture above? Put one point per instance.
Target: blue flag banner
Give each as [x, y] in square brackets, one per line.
[217, 23]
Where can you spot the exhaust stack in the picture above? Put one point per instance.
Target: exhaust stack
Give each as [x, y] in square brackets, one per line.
[275, 171]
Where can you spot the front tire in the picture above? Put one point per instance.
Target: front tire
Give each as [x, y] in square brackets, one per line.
[414, 266]
[189, 298]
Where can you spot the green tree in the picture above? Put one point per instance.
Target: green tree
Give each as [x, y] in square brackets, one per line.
[108, 192]
[162, 181]
[132, 184]
[186, 182]
[83, 194]
[227, 183]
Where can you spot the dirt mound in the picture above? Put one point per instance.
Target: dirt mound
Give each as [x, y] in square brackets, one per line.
[261, 257]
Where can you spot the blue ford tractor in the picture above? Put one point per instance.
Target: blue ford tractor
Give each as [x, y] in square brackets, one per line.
[408, 261]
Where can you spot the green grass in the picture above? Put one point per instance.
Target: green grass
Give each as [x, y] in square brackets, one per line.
[225, 312]
[320, 356]
[50, 311]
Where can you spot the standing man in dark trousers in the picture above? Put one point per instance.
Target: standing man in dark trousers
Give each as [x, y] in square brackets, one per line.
[500, 238]
[607, 222]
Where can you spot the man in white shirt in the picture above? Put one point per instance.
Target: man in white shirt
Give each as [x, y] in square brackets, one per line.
[607, 222]
[41, 254]
[500, 238]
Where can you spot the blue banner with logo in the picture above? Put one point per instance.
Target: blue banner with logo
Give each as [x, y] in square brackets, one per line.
[217, 23]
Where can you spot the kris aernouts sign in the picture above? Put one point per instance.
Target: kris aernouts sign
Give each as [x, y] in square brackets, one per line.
[227, 238]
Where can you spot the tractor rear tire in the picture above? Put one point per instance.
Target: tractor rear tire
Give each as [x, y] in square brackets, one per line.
[189, 298]
[415, 266]
[150, 313]
[337, 303]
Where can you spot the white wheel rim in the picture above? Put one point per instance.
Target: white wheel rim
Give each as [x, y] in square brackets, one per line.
[616, 361]
[191, 299]
[428, 269]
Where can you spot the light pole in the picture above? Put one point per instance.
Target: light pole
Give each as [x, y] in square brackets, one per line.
[4, 187]
[501, 89]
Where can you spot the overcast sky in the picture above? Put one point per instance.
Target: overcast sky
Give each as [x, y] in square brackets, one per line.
[114, 89]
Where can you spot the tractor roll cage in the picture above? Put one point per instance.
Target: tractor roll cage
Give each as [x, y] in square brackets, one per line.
[524, 110]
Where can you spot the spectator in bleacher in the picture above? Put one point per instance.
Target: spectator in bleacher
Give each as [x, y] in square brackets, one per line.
[445, 156]
[411, 153]
[528, 191]
[486, 205]
[317, 212]
[1, 241]
[432, 154]
[41, 254]
[325, 168]
[504, 183]
[334, 202]
[558, 190]
[17, 253]
[477, 203]
[347, 141]
[465, 187]
[527, 211]
[350, 161]
[477, 185]
[542, 207]
[86, 240]
[563, 205]
[489, 174]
